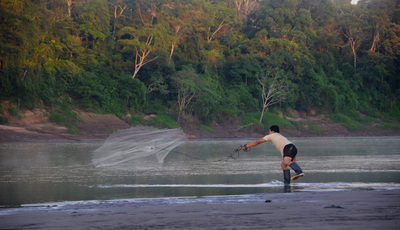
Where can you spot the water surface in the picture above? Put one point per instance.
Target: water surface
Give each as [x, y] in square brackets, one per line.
[63, 171]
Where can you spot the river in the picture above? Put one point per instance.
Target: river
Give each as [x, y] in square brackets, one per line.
[41, 172]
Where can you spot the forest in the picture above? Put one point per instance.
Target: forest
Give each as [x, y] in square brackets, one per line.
[211, 60]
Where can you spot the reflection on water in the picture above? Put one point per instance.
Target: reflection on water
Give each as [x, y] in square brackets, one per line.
[63, 171]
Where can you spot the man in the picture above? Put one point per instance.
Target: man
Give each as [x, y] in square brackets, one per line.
[287, 149]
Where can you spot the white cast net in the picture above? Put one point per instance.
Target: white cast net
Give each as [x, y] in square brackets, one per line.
[127, 146]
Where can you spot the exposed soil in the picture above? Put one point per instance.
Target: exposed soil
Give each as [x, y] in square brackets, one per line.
[35, 126]
[328, 128]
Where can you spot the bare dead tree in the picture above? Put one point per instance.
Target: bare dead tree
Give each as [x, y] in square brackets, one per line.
[272, 94]
[186, 82]
[185, 96]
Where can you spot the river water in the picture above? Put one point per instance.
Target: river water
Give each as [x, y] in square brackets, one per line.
[64, 171]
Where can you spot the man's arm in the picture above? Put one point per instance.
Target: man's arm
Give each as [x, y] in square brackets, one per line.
[252, 144]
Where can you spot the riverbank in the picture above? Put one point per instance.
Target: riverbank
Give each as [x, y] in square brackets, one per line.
[302, 210]
[35, 126]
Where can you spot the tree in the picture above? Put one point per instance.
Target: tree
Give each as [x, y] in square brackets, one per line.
[71, 4]
[95, 22]
[140, 43]
[392, 42]
[273, 90]
[350, 25]
[150, 36]
[245, 7]
[179, 27]
[119, 9]
[186, 89]
[378, 18]
[46, 46]
[218, 19]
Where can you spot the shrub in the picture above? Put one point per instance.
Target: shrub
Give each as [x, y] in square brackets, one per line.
[3, 120]
[72, 128]
[251, 122]
[60, 119]
[13, 111]
[268, 120]
[274, 119]
[57, 118]
[316, 128]
[136, 120]
[353, 114]
[164, 121]
[349, 123]
[205, 128]
[155, 107]
[396, 115]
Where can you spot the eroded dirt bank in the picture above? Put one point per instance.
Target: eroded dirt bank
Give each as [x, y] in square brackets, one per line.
[35, 126]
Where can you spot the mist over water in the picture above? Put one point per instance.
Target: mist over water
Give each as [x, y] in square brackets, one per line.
[64, 171]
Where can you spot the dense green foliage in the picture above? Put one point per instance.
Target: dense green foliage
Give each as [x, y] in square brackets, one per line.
[201, 58]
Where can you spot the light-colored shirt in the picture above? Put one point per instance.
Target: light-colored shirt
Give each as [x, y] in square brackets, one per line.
[278, 140]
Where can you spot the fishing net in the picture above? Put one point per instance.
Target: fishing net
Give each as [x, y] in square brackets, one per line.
[127, 146]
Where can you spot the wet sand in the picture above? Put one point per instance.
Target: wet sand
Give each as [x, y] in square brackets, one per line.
[301, 210]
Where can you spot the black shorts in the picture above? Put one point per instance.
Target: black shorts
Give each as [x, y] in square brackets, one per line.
[290, 151]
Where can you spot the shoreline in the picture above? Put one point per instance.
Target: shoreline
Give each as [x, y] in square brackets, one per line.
[90, 139]
[360, 209]
[9, 134]
[35, 126]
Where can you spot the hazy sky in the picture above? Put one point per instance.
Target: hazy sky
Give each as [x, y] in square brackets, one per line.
[354, 1]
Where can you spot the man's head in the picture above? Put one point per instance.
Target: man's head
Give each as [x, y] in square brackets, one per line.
[274, 129]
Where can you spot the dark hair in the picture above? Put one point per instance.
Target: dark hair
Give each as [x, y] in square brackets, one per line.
[274, 128]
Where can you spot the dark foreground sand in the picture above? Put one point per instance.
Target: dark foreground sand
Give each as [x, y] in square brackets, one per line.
[302, 210]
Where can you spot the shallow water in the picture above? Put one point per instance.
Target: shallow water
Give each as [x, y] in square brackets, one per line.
[63, 171]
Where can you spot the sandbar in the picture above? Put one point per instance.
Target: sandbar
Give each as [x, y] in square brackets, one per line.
[355, 209]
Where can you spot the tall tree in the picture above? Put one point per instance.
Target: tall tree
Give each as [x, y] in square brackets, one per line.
[244, 7]
[350, 24]
[273, 90]
[119, 8]
[142, 40]
[95, 21]
[138, 42]
[186, 89]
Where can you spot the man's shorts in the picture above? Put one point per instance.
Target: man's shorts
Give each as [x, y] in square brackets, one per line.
[290, 151]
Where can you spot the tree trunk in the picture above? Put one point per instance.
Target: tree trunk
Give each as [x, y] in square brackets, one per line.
[140, 57]
[353, 48]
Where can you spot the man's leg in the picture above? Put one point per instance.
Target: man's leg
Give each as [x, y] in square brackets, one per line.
[286, 172]
[286, 176]
[288, 161]
[297, 169]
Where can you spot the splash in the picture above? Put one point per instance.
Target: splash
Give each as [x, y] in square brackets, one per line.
[125, 147]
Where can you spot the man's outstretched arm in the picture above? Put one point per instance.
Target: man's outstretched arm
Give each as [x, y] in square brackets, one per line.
[252, 144]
